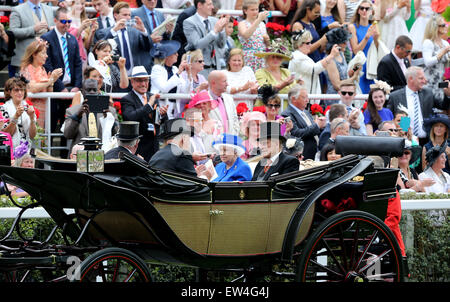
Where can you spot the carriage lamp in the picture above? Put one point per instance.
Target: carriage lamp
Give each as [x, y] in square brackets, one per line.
[91, 159]
[5, 151]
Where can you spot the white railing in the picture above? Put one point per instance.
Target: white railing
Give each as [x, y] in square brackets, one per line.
[407, 205]
[359, 100]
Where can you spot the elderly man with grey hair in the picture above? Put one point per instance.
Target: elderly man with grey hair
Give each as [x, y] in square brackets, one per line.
[419, 100]
[305, 126]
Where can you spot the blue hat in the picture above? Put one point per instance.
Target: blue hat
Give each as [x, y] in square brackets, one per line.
[437, 118]
[230, 140]
[166, 48]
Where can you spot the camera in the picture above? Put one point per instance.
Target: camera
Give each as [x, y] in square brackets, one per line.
[443, 85]
[115, 58]
[131, 22]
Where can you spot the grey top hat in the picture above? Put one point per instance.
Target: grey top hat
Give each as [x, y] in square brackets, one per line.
[270, 130]
[128, 131]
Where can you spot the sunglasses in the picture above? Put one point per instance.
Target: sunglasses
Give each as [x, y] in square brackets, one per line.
[394, 130]
[350, 93]
[65, 21]
[406, 152]
[442, 25]
[366, 8]
[407, 51]
[273, 105]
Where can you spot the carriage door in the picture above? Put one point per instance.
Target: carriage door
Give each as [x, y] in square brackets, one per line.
[239, 219]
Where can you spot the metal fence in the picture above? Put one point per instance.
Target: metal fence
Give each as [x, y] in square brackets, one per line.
[51, 96]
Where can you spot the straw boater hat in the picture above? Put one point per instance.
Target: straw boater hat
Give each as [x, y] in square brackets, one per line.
[278, 48]
[230, 140]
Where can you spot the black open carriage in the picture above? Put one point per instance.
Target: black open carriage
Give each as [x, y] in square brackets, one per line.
[326, 222]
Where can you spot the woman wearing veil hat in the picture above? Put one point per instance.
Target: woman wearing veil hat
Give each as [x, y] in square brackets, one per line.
[165, 76]
[436, 159]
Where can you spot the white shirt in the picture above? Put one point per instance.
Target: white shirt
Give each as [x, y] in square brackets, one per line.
[441, 185]
[67, 78]
[400, 62]
[110, 16]
[410, 105]
[119, 34]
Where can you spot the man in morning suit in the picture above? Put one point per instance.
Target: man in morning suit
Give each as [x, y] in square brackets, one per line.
[393, 66]
[304, 125]
[206, 33]
[141, 106]
[152, 19]
[63, 52]
[127, 140]
[175, 156]
[132, 42]
[274, 161]
[418, 101]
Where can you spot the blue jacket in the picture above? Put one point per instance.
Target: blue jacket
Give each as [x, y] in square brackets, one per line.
[240, 171]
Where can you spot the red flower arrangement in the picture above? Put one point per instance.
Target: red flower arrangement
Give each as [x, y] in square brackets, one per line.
[316, 109]
[260, 109]
[4, 19]
[276, 30]
[241, 108]
[118, 108]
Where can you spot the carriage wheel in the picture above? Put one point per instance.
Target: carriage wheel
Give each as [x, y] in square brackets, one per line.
[351, 246]
[114, 265]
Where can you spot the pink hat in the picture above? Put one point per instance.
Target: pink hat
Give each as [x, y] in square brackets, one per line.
[251, 116]
[202, 97]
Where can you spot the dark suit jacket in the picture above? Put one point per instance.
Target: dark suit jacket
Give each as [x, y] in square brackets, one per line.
[172, 158]
[114, 154]
[134, 110]
[55, 59]
[178, 33]
[390, 71]
[139, 45]
[285, 164]
[303, 131]
[426, 97]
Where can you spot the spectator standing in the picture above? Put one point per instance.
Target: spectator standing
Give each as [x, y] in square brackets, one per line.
[22, 118]
[418, 100]
[32, 68]
[376, 111]
[178, 33]
[105, 17]
[393, 16]
[165, 75]
[141, 106]
[302, 65]
[347, 9]
[132, 41]
[115, 77]
[393, 66]
[436, 53]
[424, 12]
[207, 33]
[63, 52]
[80, 122]
[364, 33]
[28, 21]
[226, 109]
[304, 125]
[252, 33]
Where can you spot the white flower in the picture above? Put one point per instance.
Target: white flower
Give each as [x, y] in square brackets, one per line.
[290, 143]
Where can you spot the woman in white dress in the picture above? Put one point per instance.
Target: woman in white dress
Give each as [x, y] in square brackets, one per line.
[435, 164]
[423, 14]
[304, 67]
[393, 16]
[436, 53]
[241, 79]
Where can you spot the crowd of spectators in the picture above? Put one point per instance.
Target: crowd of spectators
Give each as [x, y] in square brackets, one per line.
[339, 47]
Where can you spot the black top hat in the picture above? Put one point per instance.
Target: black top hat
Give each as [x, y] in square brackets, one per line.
[128, 131]
[174, 127]
[270, 130]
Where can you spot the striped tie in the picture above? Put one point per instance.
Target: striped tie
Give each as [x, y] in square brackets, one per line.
[416, 114]
[66, 55]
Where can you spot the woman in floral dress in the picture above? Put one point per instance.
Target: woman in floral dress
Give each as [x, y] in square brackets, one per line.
[253, 34]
